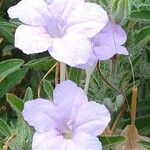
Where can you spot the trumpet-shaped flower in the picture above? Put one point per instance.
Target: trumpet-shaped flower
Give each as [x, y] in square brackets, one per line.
[70, 122]
[106, 44]
[63, 27]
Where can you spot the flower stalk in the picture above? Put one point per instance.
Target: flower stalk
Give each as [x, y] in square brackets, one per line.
[89, 73]
[63, 68]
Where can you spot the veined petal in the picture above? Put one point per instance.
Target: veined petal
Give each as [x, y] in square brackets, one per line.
[32, 39]
[56, 7]
[92, 118]
[84, 141]
[61, 8]
[72, 49]
[47, 141]
[112, 34]
[70, 6]
[90, 63]
[32, 12]
[69, 98]
[122, 50]
[87, 18]
[68, 91]
[104, 52]
[38, 114]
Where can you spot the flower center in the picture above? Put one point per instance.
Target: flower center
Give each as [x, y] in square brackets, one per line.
[55, 28]
[68, 133]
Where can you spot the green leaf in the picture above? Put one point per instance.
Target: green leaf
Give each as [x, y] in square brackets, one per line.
[114, 4]
[121, 10]
[7, 50]
[145, 144]
[41, 63]
[24, 134]
[9, 66]
[75, 74]
[142, 36]
[143, 106]
[141, 15]
[142, 124]
[28, 94]
[7, 29]
[48, 88]
[12, 80]
[15, 103]
[1, 142]
[111, 140]
[4, 128]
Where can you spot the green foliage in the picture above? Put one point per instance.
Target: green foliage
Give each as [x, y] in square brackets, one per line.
[41, 63]
[48, 89]
[4, 129]
[145, 144]
[121, 10]
[111, 140]
[23, 135]
[141, 15]
[9, 66]
[16, 103]
[19, 133]
[12, 80]
[28, 94]
[75, 75]
[142, 36]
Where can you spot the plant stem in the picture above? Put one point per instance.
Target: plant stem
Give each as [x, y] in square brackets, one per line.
[107, 82]
[133, 104]
[62, 72]
[57, 73]
[40, 84]
[132, 69]
[87, 79]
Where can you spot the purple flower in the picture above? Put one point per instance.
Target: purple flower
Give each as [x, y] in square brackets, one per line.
[63, 27]
[106, 44]
[70, 122]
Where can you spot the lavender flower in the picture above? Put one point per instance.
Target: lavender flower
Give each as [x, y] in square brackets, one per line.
[106, 44]
[70, 122]
[63, 27]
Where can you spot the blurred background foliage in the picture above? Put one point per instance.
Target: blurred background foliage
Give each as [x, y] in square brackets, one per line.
[111, 82]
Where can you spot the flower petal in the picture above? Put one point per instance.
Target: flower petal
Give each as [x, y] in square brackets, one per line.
[91, 63]
[92, 118]
[29, 13]
[32, 39]
[72, 49]
[121, 50]
[70, 5]
[69, 97]
[104, 52]
[89, 24]
[47, 141]
[112, 34]
[61, 8]
[38, 112]
[68, 91]
[84, 141]
[56, 7]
